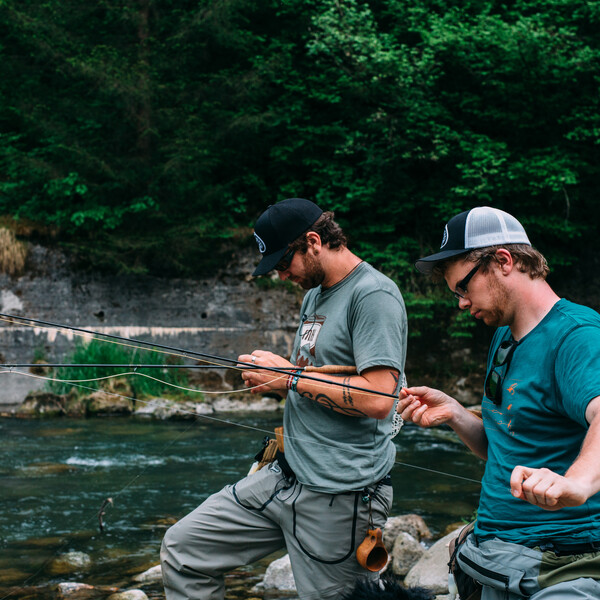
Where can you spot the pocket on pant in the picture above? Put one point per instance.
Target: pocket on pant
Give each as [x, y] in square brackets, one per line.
[257, 491]
[325, 525]
[501, 565]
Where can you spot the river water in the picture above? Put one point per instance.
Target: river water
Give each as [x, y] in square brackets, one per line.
[56, 474]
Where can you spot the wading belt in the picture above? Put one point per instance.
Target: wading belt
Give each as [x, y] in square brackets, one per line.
[570, 549]
[273, 450]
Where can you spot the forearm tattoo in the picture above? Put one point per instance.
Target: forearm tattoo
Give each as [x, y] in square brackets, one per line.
[346, 396]
[327, 402]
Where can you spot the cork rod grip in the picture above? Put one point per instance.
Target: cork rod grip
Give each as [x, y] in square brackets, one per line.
[333, 369]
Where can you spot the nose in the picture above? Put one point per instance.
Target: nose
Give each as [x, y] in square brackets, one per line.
[464, 303]
[283, 275]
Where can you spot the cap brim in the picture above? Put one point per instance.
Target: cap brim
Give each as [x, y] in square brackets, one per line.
[427, 264]
[268, 262]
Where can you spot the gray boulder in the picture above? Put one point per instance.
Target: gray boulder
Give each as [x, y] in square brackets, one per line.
[150, 576]
[431, 571]
[264, 404]
[410, 523]
[71, 590]
[405, 553]
[278, 576]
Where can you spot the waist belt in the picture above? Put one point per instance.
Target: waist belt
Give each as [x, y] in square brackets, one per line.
[568, 549]
[289, 472]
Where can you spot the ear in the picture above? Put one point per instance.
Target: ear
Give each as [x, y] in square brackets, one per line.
[505, 261]
[314, 241]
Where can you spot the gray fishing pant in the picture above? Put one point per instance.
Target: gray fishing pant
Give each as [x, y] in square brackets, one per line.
[511, 571]
[260, 514]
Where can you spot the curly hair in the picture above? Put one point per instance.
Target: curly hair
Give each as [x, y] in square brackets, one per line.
[330, 232]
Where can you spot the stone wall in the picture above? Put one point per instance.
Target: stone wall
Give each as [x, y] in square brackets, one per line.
[222, 315]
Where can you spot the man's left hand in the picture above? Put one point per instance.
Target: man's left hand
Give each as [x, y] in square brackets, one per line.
[547, 489]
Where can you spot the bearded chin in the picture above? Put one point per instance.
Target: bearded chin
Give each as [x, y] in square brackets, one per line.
[496, 316]
[314, 273]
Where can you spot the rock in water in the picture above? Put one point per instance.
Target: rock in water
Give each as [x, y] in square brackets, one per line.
[278, 576]
[128, 595]
[71, 562]
[149, 576]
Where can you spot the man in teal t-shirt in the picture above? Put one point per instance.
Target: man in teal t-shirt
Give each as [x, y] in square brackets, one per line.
[537, 533]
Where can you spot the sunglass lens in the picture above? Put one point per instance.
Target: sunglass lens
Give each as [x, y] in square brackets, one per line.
[491, 385]
[503, 353]
[285, 261]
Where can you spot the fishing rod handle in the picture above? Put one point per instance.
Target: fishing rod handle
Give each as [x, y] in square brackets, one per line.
[339, 369]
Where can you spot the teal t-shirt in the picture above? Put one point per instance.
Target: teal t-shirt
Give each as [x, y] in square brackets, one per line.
[553, 375]
[360, 321]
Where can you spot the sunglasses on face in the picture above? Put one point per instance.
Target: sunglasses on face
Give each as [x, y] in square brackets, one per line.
[495, 378]
[461, 287]
[286, 260]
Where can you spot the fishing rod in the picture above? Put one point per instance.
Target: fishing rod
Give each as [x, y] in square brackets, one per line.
[191, 354]
[44, 365]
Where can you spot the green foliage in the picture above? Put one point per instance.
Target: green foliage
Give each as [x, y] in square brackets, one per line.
[142, 384]
[148, 132]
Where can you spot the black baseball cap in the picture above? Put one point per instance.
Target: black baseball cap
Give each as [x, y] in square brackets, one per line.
[279, 226]
[476, 228]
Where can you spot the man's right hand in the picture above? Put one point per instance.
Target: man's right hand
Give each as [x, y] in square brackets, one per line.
[425, 406]
[428, 408]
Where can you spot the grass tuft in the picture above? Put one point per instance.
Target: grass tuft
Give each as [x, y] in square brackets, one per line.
[13, 253]
[102, 352]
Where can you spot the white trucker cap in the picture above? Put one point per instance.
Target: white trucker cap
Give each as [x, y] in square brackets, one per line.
[476, 228]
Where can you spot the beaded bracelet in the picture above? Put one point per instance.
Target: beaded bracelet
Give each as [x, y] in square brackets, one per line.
[288, 383]
[294, 382]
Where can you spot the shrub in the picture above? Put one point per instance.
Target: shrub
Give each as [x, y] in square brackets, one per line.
[101, 352]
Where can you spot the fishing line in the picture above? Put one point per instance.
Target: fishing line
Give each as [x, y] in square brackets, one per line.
[116, 375]
[322, 384]
[163, 349]
[117, 340]
[131, 365]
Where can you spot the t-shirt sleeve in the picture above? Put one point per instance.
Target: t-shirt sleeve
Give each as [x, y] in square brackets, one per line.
[578, 370]
[379, 331]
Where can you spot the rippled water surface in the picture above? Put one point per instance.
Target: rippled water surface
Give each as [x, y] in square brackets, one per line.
[56, 474]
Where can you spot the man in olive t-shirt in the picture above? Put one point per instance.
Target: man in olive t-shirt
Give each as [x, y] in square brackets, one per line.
[338, 442]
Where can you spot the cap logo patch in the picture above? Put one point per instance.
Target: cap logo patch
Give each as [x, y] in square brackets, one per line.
[444, 239]
[261, 245]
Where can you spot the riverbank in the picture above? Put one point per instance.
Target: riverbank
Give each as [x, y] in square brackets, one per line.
[120, 402]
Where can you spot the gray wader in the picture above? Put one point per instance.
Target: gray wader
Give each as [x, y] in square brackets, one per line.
[512, 571]
[260, 514]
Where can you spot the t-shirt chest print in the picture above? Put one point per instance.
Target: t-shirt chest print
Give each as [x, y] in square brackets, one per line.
[308, 340]
[503, 415]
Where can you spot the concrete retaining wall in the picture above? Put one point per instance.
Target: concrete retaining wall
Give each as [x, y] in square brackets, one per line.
[223, 315]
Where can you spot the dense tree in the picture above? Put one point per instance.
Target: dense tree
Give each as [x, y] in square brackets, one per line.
[143, 132]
